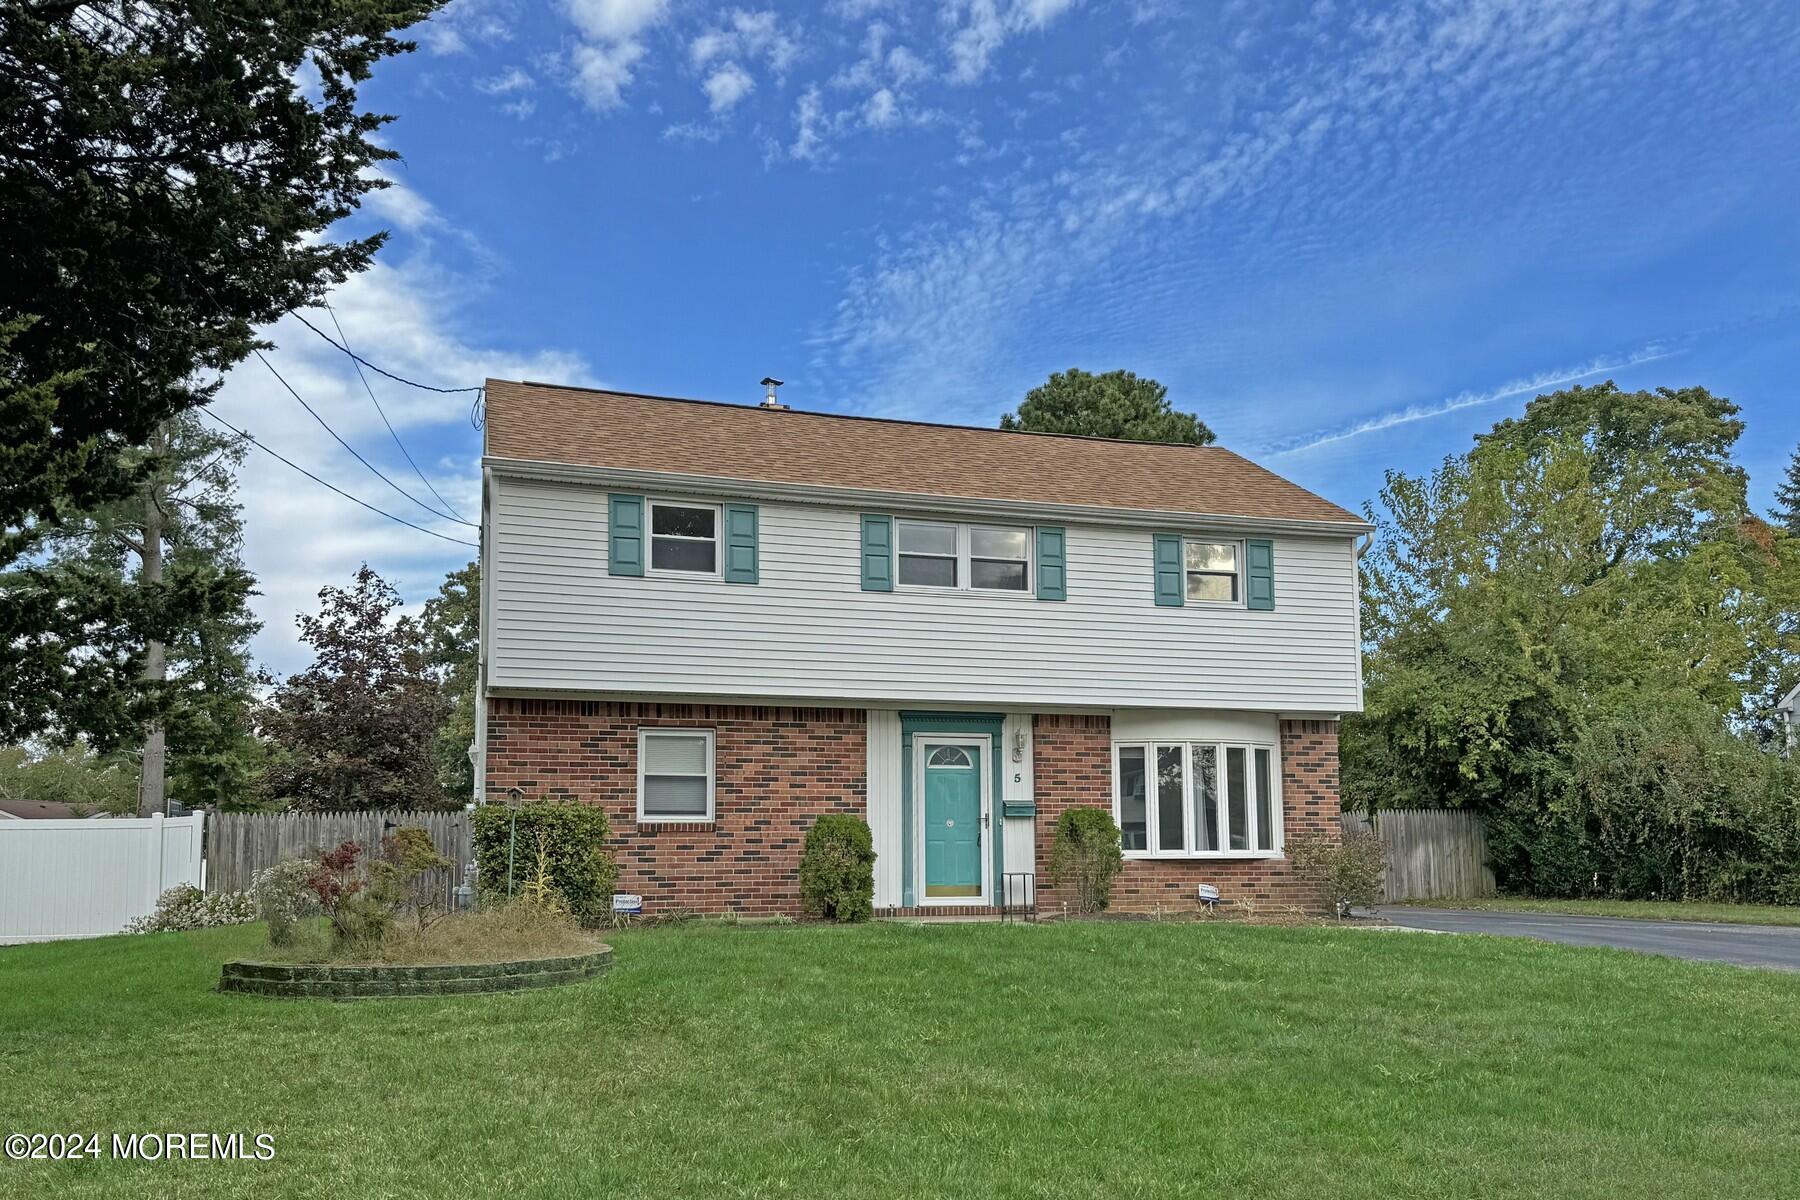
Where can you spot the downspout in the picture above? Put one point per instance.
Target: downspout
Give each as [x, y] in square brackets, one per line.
[484, 610]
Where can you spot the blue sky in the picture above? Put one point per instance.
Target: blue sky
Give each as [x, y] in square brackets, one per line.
[1348, 236]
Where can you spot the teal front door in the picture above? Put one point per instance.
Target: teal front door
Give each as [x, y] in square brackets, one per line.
[953, 838]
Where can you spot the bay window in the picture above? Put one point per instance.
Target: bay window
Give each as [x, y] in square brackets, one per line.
[1197, 799]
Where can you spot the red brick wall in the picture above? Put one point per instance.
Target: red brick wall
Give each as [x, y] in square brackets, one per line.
[777, 769]
[1072, 764]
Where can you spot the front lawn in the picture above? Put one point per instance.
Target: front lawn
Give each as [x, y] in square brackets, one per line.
[1647, 910]
[1104, 1060]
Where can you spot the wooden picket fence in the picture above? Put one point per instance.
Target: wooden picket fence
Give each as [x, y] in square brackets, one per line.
[238, 845]
[1432, 853]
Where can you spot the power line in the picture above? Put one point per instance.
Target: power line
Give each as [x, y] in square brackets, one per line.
[376, 471]
[245, 434]
[426, 387]
[357, 363]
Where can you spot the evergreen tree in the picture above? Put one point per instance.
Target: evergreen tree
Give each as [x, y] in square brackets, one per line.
[182, 698]
[1787, 496]
[452, 631]
[1117, 404]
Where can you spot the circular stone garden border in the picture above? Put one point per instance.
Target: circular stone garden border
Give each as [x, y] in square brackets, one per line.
[330, 981]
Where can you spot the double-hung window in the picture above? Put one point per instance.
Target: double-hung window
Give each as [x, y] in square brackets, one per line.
[675, 775]
[1212, 571]
[684, 537]
[1196, 799]
[945, 554]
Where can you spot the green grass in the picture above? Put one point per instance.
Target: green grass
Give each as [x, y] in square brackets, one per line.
[1087, 1060]
[1647, 910]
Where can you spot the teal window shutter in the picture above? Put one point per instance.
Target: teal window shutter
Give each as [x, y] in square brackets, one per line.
[1170, 578]
[740, 543]
[625, 534]
[877, 552]
[1259, 574]
[1052, 563]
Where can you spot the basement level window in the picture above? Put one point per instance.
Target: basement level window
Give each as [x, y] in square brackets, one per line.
[675, 775]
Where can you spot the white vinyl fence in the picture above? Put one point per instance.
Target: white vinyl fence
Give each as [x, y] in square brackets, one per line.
[71, 879]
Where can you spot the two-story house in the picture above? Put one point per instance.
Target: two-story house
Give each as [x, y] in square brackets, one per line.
[720, 621]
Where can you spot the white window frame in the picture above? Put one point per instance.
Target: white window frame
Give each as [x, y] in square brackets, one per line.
[647, 732]
[717, 540]
[965, 572]
[1189, 779]
[1238, 575]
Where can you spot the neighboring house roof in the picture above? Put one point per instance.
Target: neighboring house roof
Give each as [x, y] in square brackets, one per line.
[39, 809]
[1791, 701]
[625, 431]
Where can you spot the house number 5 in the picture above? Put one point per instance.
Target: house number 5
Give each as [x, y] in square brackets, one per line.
[1018, 777]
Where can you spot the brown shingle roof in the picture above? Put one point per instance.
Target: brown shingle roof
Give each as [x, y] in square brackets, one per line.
[544, 423]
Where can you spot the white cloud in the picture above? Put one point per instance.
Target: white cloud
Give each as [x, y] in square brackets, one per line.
[462, 26]
[809, 123]
[513, 79]
[601, 71]
[978, 28]
[615, 20]
[603, 64]
[1541, 382]
[743, 34]
[726, 86]
[881, 110]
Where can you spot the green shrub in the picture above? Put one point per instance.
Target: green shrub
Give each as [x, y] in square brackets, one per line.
[398, 876]
[837, 868]
[1086, 856]
[1349, 872]
[573, 840]
[282, 898]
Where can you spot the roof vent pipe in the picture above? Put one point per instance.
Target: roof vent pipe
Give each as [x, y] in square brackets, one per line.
[770, 383]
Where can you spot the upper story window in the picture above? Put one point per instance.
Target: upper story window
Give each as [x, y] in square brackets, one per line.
[1212, 571]
[684, 537]
[944, 554]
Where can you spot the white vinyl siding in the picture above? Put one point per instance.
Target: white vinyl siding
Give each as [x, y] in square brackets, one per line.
[560, 622]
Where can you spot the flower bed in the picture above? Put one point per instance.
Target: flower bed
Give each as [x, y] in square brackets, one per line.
[382, 980]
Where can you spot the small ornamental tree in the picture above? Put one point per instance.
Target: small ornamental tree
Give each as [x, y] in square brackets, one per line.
[565, 841]
[398, 876]
[1086, 856]
[837, 869]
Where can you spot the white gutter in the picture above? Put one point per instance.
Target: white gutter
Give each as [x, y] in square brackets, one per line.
[796, 493]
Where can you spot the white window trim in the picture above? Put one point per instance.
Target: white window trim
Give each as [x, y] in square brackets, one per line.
[1239, 545]
[1148, 746]
[717, 539]
[646, 732]
[965, 575]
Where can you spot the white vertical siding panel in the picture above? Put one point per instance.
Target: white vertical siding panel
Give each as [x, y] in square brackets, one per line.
[559, 622]
[1021, 835]
[883, 788]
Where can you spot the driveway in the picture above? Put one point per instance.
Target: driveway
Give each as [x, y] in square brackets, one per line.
[1745, 945]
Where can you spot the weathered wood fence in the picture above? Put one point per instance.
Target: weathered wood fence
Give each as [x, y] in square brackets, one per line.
[238, 845]
[1432, 853]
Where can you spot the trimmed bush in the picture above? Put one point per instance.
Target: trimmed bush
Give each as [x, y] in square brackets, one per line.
[837, 868]
[1086, 856]
[566, 842]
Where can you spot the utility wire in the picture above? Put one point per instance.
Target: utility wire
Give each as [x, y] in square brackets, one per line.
[353, 451]
[378, 370]
[357, 363]
[340, 491]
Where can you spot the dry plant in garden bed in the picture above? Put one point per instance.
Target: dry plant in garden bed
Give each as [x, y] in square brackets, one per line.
[521, 929]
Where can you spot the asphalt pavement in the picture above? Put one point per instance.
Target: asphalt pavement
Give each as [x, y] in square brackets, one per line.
[1747, 945]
